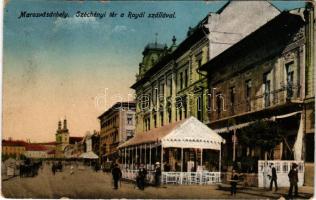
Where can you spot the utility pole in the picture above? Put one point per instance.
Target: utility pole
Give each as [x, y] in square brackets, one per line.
[234, 146]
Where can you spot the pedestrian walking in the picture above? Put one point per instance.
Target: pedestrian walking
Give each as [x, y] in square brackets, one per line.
[142, 173]
[71, 169]
[116, 174]
[233, 183]
[53, 168]
[157, 174]
[273, 177]
[293, 178]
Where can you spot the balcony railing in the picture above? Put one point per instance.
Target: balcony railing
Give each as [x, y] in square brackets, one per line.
[286, 94]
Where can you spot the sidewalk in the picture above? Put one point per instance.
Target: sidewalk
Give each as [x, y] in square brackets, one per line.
[88, 184]
[304, 192]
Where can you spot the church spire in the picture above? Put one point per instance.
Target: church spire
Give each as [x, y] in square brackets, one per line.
[65, 124]
[59, 125]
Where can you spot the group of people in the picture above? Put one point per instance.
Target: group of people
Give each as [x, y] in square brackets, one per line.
[293, 179]
[140, 178]
[272, 176]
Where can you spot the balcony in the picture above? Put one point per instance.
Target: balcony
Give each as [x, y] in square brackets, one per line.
[287, 94]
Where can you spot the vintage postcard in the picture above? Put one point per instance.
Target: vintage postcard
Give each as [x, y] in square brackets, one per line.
[158, 99]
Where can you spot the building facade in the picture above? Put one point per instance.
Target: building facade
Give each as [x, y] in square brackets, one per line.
[13, 148]
[117, 126]
[66, 145]
[36, 151]
[169, 85]
[269, 76]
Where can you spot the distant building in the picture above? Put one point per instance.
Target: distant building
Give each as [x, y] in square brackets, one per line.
[48, 145]
[95, 138]
[91, 142]
[74, 140]
[36, 151]
[51, 154]
[13, 148]
[117, 126]
[74, 148]
[63, 140]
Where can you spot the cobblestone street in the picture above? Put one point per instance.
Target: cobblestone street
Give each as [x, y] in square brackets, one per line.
[86, 183]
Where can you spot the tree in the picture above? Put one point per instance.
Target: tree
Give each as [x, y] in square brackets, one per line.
[264, 134]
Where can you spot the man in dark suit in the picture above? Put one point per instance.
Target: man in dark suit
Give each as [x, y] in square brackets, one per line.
[273, 178]
[116, 174]
[293, 176]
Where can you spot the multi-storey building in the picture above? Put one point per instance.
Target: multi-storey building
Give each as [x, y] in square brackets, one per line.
[36, 151]
[169, 85]
[117, 126]
[267, 75]
[13, 148]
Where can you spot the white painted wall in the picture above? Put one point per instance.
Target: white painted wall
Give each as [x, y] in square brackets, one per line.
[282, 167]
[237, 20]
[36, 154]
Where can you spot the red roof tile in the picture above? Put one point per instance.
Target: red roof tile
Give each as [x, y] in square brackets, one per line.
[47, 143]
[35, 147]
[13, 143]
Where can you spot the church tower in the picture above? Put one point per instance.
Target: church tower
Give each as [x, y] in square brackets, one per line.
[62, 135]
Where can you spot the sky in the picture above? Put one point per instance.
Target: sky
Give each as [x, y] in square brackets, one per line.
[78, 67]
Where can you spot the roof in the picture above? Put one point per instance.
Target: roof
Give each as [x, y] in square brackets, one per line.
[35, 147]
[154, 46]
[279, 27]
[187, 133]
[128, 104]
[199, 32]
[46, 143]
[14, 143]
[219, 11]
[151, 136]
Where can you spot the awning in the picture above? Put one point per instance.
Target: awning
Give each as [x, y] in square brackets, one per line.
[187, 133]
[89, 155]
[286, 115]
[230, 128]
[242, 125]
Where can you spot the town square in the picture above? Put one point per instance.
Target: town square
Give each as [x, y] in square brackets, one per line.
[88, 184]
[158, 100]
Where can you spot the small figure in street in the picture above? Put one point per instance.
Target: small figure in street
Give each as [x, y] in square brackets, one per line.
[71, 169]
[59, 166]
[273, 178]
[293, 177]
[234, 180]
[116, 174]
[157, 174]
[54, 168]
[141, 177]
